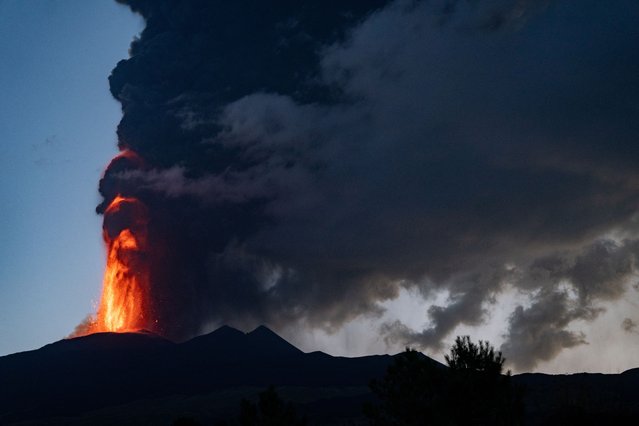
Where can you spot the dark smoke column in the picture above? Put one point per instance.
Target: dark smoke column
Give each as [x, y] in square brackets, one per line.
[192, 58]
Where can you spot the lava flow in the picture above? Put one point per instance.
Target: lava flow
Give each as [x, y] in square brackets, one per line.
[125, 300]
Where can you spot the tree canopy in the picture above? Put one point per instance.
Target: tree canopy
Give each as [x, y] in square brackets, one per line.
[270, 410]
[419, 391]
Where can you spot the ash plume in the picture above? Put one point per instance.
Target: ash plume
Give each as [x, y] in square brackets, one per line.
[305, 161]
[629, 326]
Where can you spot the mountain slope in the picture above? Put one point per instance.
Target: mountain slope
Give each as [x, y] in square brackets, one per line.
[73, 376]
[129, 378]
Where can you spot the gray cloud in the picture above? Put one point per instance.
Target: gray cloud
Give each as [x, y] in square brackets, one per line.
[468, 304]
[539, 333]
[569, 286]
[629, 325]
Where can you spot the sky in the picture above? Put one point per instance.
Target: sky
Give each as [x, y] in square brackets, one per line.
[57, 133]
[359, 177]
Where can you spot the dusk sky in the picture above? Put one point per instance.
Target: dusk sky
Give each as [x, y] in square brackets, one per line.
[359, 176]
[57, 127]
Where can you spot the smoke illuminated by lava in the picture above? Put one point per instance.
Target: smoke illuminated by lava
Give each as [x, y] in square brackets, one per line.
[126, 300]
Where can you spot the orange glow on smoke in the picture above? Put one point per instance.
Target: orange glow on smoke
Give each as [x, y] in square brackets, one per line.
[124, 305]
[130, 155]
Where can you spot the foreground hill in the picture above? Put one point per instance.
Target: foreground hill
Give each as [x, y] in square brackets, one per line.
[84, 374]
[581, 399]
[141, 378]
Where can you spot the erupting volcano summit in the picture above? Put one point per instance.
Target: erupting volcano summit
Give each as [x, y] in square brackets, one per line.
[126, 302]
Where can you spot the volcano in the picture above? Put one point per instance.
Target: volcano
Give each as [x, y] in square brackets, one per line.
[64, 380]
[142, 378]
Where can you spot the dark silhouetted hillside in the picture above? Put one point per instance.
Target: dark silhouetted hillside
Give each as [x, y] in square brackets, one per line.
[141, 378]
[88, 373]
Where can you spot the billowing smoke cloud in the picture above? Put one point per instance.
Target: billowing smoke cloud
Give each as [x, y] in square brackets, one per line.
[629, 326]
[305, 161]
[567, 287]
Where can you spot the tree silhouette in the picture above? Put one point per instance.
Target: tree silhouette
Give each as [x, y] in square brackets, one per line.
[269, 411]
[409, 392]
[468, 356]
[477, 385]
[471, 391]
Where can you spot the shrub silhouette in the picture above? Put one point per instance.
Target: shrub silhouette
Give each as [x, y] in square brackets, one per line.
[482, 394]
[472, 391]
[269, 411]
[410, 393]
[467, 356]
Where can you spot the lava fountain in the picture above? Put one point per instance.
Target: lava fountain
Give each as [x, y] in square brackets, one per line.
[125, 301]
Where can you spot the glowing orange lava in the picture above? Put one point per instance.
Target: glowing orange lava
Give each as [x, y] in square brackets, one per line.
[124, 305]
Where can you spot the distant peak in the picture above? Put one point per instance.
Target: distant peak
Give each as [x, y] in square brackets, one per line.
[262, 329]
[227, 329]
[267, 338]
[223, 332]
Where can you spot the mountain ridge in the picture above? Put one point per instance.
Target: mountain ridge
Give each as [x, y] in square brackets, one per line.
[89, 374]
